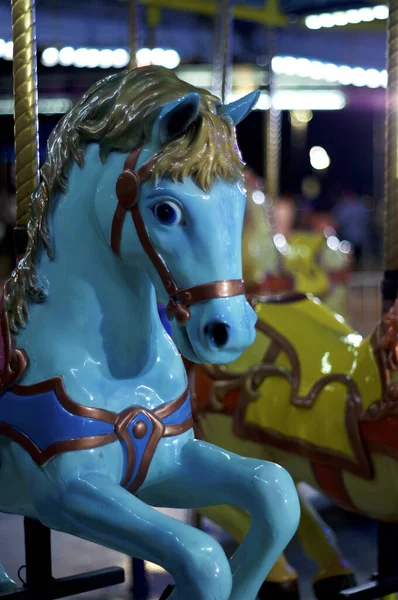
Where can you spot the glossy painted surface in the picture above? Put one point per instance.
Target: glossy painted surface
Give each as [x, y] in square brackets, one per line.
[259, 254]
[315, 344]
[318, 266]
[304, 261]
[99, 328]
[325, 436]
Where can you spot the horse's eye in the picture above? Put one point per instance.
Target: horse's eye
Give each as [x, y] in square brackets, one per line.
[168, 212]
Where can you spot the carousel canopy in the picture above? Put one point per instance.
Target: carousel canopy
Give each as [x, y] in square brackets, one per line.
[103, 24]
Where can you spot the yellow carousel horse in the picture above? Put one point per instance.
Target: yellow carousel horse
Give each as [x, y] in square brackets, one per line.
[312, 261]
[314, 396]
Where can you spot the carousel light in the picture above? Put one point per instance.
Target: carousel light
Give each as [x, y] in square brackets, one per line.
[330, 72]
[46, 106]
[290, 65]
[347, 17]
[328, 231]
[281, 243]
[326, 20]
[308, 100]
[143, 57]
[313, 22]
[340, 18]
[8, 51]
[374, 78]
[157, 56]
[353, 16]
[320, 161]
[93, 58]
[345, 247]
[381, 12]
[384, 78]
[80, 58]
[105, 59]
[359, 77]
[319, 71]
[277, 65]
[66, 56]
[264, 102]
[366, 14]
[171, 59]
[49, 57]
[258, 197]
[303, 67]
[333, 242]
[120, 58]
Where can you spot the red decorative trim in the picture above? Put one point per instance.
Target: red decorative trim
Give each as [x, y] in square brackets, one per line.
[330, 480]
[15, 360]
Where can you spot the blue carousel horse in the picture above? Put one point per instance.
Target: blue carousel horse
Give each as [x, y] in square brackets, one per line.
[140, 197]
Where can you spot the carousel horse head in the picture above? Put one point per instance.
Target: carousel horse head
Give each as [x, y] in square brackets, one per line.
[163, 186]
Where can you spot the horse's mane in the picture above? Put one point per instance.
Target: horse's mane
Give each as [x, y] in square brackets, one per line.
[118, 112]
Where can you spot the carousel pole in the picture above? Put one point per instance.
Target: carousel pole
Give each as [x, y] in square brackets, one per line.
[388, 532]
[386, 581]
[140, 583]
[390, 282]
[272, 142]
[25, 114]
[39, 580]
[222, 59]
[272, 132]
[134, 29]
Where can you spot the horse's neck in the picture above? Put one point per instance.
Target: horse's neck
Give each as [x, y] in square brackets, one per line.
[99, 327]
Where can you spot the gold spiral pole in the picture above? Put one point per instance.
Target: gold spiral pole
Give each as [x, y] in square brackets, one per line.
[133, 31]
[25, 105]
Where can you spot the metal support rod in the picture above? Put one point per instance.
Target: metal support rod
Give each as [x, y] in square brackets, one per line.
[133, 31]
[222, 61]
[272, 128]
[390, 283]
[38, 558]
[40, 584]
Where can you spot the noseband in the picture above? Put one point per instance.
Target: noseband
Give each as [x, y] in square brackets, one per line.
[128, 193]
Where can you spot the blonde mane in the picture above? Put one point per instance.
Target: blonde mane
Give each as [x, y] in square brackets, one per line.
[118, 112]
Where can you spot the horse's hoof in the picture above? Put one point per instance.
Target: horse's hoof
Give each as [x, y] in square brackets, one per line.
[167, 592]
[330, 587]
[283, 590]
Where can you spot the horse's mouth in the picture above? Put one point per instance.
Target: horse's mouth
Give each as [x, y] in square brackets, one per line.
[188, 349]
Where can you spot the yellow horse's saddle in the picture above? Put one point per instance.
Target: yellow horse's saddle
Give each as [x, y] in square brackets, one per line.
[307, 381]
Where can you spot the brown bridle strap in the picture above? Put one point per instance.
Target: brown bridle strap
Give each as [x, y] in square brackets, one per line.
[128, 191]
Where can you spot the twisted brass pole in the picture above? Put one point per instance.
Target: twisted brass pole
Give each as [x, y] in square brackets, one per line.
[133, 31]
[25, 105]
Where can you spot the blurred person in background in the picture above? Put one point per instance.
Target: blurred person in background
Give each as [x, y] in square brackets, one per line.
[353, 222]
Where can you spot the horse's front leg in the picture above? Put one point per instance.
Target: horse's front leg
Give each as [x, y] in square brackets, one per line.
[97, 509]
[208, 475]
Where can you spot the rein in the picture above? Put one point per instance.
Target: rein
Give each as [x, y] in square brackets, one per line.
[128, 191]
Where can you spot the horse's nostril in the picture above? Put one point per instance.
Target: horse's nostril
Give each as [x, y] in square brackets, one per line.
[217, 333]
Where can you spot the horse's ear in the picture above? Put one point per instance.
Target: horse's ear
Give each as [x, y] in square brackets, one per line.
[239, 109]
[175, 117]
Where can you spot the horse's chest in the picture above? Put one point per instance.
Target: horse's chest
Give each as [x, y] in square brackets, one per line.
[46, 422]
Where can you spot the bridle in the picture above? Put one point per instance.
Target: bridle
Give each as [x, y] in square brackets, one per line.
[128, 193]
